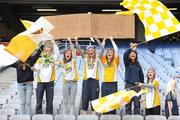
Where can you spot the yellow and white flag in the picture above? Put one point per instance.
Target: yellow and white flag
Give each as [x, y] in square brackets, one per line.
[114, 101]
[23, 44]
[5, 57]
[157, 19]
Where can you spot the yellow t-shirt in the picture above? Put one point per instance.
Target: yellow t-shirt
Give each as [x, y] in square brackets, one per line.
[156, 101]
[156, 94]
[110, 71]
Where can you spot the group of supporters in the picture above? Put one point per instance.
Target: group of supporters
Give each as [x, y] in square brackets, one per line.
[44, 63]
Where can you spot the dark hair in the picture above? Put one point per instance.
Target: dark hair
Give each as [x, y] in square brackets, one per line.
[135, 58]
[65, 60]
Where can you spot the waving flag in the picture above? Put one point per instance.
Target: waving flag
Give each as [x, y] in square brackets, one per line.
[5, 57]
[115, 100]
[157, 19]
[27, 24]
[22, 45]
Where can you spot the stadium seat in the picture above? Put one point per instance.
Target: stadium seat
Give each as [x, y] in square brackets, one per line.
[20, 117]
[132, 117]
[155, 117]
[174, 118]
[65, 117]
[87, 117]
[42, 117]
[110, 117]
[7, 112]
[3, 117]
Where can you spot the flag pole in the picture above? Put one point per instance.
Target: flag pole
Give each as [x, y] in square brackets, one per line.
[142, 42]
[131, 87]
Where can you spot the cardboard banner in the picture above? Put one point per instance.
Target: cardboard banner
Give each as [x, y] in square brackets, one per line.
[88, 25]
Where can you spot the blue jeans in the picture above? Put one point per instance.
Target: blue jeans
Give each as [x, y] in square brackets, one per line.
[69, 95]
[25, 93]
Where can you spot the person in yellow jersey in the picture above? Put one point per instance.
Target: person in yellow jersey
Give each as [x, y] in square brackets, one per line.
[70, 77]
[90, 85]
[152, 98]
[110, 63]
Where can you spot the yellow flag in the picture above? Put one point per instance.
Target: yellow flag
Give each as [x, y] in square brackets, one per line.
[23, 44]
[27, 24]
[115, 101]
[112, 101]
[157, 19]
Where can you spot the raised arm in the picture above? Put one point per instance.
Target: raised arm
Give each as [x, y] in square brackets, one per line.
[125, 57]
[103, 43]
[133, 46]
[114, 46]
[56, 50]
[72, 48]
[34, 58]
[78, 47]
[101, 47]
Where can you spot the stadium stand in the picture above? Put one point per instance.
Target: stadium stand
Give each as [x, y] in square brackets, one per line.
[132, 117]
[174, 118]
[87, 117]
[9, 103]
[20, 117]
[110, 117]
[65, 117]
[155, 117]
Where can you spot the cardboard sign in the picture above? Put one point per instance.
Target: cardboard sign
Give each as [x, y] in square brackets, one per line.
[88, 25]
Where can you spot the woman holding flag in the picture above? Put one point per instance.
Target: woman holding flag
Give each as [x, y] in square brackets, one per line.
[152, 98]
[25, 80]
[133, 76]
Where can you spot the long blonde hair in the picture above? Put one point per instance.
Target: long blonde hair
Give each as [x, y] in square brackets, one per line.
[171, 87]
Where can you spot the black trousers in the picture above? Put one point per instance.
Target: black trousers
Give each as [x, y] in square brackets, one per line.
[49, 89]
[134, 99]
[108, 88]
[90, 91]
[153, 111]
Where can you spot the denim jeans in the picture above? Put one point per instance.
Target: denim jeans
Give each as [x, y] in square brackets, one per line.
[69, 95]
[25, 93]
[49, 89]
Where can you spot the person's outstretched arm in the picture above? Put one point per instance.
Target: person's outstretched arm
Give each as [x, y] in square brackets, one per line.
[101, 47]
[34, 58]
[114, 46]
[78, 47]
[56, 50]
[72, 48]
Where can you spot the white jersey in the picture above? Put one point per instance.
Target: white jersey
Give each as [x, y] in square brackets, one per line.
[69, 72]
[91, 68]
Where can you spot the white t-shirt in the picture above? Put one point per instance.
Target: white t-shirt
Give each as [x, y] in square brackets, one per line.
[91, 68]
[69, 71]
